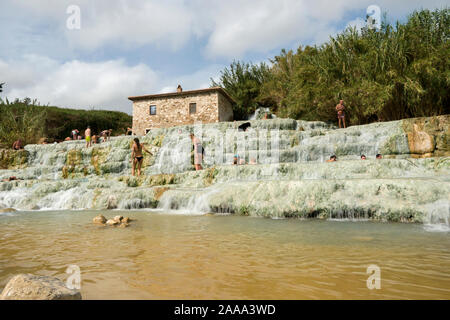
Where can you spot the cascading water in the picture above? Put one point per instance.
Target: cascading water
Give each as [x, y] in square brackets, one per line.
[287, 177]
[438, 216]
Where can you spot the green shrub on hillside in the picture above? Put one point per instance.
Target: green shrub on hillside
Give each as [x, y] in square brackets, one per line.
[29, 121]
[395, 72]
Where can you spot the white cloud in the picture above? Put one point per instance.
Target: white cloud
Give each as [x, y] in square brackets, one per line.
[229, 28]
[77, 84]
[101, 85]
[221, 30]
[358, 23]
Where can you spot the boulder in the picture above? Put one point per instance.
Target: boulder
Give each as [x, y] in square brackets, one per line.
[118, 218]
[112, 222]
[420, 142]
[32, 287]
[7, 210]
[126, 220]
[99, 219]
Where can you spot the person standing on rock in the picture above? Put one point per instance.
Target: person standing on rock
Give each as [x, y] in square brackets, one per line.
[87, 134]
[340, 108]
[137, 157]
[198, 152]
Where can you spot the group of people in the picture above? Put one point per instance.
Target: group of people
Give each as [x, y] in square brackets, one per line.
[333, 158]
[104, 136]
[138, 149]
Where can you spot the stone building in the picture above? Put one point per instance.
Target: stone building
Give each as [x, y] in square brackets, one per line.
[180, 108]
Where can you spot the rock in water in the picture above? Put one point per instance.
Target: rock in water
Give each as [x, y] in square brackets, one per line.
[126, 220]
[7, 210]
[112, 222]
[99, 219]
[31, 287]
[118, 218]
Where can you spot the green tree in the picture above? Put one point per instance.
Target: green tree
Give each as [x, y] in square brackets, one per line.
[243, 81]
[398, 71]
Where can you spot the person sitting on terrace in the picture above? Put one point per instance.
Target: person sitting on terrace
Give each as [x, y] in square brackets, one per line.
[332, 159]
[17, 145]
[11, 179]
[106, 135]
[74, 134]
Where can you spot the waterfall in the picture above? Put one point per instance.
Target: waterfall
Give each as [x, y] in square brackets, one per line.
[287, 177]
[437, 216]
[197, 203]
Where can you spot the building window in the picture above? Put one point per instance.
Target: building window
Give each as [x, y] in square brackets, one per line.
[153, 110]
[192, 108]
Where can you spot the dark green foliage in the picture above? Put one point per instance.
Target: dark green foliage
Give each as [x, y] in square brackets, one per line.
[20, 120]
[30, 121]
[243, 81]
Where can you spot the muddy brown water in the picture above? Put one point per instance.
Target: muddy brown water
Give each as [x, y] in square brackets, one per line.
[168, 256]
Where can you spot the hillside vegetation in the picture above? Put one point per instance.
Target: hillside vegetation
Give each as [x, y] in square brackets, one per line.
[390, 73]
[29, 121]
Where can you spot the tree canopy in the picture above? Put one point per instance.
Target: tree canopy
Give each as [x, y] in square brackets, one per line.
[382, 74]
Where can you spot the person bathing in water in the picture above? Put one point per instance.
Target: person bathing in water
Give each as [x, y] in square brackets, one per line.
[137, 156]
[340, 108]
[332, 159]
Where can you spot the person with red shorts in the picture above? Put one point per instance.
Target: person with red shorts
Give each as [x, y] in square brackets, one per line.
[340, 108]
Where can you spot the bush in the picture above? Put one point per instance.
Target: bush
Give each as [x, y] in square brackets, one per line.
[396, 72]
[29, 121]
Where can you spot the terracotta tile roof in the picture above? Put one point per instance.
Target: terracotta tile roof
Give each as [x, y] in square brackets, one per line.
[183, 93]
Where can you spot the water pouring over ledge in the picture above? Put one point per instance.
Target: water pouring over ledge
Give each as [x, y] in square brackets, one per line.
[290, 178]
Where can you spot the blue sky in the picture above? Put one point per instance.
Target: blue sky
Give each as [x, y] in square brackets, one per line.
[133, 47]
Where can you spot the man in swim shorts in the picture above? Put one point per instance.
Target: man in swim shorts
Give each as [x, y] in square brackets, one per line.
[87, 134]
[340, 108]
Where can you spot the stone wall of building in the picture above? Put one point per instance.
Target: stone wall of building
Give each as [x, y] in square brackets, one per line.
[174, 111]
[171, 111]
